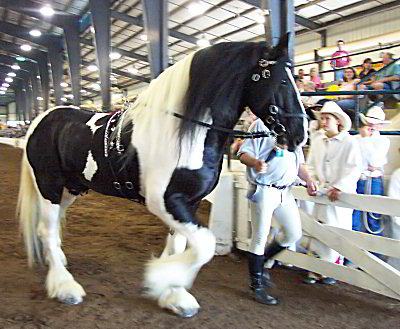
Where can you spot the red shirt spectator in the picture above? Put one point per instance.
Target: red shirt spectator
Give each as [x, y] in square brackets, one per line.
[340, 62]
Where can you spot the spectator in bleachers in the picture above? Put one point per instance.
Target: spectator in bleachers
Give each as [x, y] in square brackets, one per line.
[315, 79]
[334, 163]
[374, 148]
[348, 102]
[300, 74]
[339, 63]
[387, 79]
[367, 69]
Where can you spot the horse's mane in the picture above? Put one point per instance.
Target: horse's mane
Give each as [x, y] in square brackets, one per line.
[216, 83]
[209, 81]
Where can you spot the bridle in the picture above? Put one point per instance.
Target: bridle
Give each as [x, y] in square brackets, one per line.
[272, 117]
[277, 129]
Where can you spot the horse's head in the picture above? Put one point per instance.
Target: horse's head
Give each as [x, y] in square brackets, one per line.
[272, 95]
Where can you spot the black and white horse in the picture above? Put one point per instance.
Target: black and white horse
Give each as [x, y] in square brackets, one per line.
[154, 153]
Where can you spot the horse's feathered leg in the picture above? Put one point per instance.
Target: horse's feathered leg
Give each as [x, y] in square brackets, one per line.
[176, 244]
[66, 201]
[40, 222]
[167, 278]
[60, 283]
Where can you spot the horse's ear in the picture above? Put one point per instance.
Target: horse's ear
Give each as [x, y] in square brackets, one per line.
[282, 48]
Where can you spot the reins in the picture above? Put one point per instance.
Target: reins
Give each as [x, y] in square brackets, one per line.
[232, 132]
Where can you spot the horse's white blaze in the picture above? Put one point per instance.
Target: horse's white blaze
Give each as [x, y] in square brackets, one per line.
[305, 121]
[90, 167]
[92, 122]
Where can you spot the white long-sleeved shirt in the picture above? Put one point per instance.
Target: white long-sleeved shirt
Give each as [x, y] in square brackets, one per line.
[374, 152]
[335, 162]
[394, 190]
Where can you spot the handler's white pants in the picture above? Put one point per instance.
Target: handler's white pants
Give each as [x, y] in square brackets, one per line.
[282, 205]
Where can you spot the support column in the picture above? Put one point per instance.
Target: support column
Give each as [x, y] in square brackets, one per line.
[29, 100]
[56, 61]
[156, 26]
[280, 20]
[71, 32]
[45, 80]
[35, 93]
[101, 21]
[323, 44]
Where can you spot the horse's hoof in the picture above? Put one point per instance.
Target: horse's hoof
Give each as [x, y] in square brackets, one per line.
[70, 300]
[187, 313]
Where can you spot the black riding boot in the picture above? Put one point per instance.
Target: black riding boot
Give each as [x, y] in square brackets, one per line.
[256, 265]
[271, 250]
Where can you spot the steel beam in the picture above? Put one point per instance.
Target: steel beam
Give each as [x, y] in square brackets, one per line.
[36, 55]
[29, 100]
[139, 22]
[280, 21]
[298, 19]
[56, 60]
[101, 22]
[156, 27]
[32, 9]
[71, 32]
[358, 15]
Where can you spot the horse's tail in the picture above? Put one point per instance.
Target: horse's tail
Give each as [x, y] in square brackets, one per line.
[28, 211]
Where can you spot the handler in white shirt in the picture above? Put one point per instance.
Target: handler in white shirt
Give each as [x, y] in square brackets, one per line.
[374, 149]
[334, 162]
[271, 172]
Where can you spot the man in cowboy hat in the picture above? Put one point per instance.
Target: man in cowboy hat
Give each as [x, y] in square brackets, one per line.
[334, 163]
[374, 149]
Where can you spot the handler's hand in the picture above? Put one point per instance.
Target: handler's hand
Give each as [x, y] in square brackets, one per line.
[260, 166]
[312, 188]
[333, 194]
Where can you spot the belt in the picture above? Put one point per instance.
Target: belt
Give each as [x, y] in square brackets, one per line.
[277, 187]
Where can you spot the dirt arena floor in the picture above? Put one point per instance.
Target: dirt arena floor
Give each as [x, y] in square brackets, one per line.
[107, 240]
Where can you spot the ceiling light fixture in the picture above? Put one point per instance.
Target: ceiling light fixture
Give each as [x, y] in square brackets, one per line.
[38, 77]
[15, 67]
[92, 68]
[35, 33]
[5, 84]
[115, 55]
[20, 59]
[47, 10]
[196, 8]
[11, 74]
[8, 79]
[26, 47]
[2, 92]
[203, 43]
[3, 88]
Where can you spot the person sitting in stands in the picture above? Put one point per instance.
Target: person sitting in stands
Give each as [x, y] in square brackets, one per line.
[300, 74]
[348, 102]
[315, 79]
[387, 79]
[367, 70]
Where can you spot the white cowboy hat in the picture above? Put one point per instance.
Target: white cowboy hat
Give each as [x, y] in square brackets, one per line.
[374, 116]
[334, 109]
